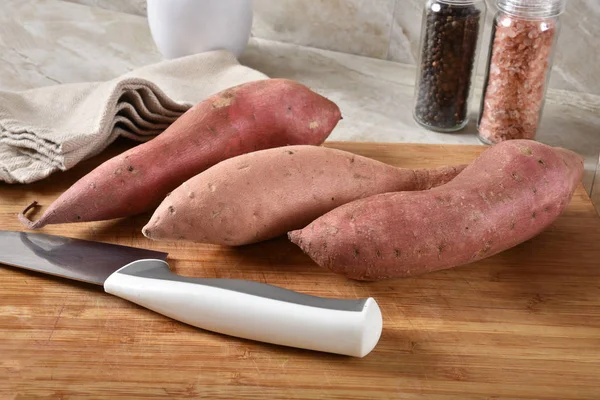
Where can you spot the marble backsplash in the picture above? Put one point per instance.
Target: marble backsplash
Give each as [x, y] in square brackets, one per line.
[577, 55]
[137, 7]
[390, 29]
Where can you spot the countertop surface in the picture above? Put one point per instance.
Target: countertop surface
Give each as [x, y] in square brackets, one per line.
[47, 42]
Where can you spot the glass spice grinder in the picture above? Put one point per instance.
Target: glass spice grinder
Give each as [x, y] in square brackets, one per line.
[447, 64]
[522, 46]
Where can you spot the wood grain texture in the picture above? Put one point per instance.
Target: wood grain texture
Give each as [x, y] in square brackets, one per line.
[524, 324]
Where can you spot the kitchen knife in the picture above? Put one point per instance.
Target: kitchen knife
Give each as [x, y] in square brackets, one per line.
[241, 308]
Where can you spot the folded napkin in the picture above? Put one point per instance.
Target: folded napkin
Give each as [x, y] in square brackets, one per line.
[53, 128]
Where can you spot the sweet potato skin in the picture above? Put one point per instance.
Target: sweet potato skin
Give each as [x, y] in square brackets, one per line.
[264, 194]
[512, 192]
[248, 117]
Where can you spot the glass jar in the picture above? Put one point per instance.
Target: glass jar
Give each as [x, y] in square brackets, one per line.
[524, 36]
[447, 64]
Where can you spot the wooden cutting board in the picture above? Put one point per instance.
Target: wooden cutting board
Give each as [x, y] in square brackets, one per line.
[524, 324]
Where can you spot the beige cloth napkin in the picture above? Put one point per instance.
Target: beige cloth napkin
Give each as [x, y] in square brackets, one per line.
[53, 128]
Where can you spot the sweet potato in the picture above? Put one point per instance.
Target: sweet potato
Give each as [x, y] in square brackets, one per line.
[264, 194]
[509, 194]
[248, 117]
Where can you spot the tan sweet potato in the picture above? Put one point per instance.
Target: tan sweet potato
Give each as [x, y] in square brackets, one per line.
[509, 194]
[264, 194]
[252, 116]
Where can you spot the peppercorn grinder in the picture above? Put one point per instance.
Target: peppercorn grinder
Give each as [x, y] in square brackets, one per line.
[447, 64]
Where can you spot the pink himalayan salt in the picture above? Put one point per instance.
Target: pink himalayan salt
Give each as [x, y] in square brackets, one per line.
[515, 90]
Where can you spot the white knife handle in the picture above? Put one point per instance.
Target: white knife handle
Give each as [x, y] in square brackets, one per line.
[252, 310]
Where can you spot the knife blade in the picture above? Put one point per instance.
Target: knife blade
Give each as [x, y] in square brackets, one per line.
[241, 308]
[81, 260]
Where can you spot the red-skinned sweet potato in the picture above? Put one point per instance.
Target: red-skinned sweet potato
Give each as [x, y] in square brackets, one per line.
[510, 193]
[245, 118]
[260, 195]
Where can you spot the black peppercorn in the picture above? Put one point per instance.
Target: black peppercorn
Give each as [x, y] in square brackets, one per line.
[447, 61]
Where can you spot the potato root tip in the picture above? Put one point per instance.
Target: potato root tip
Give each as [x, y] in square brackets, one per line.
[26, 221]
